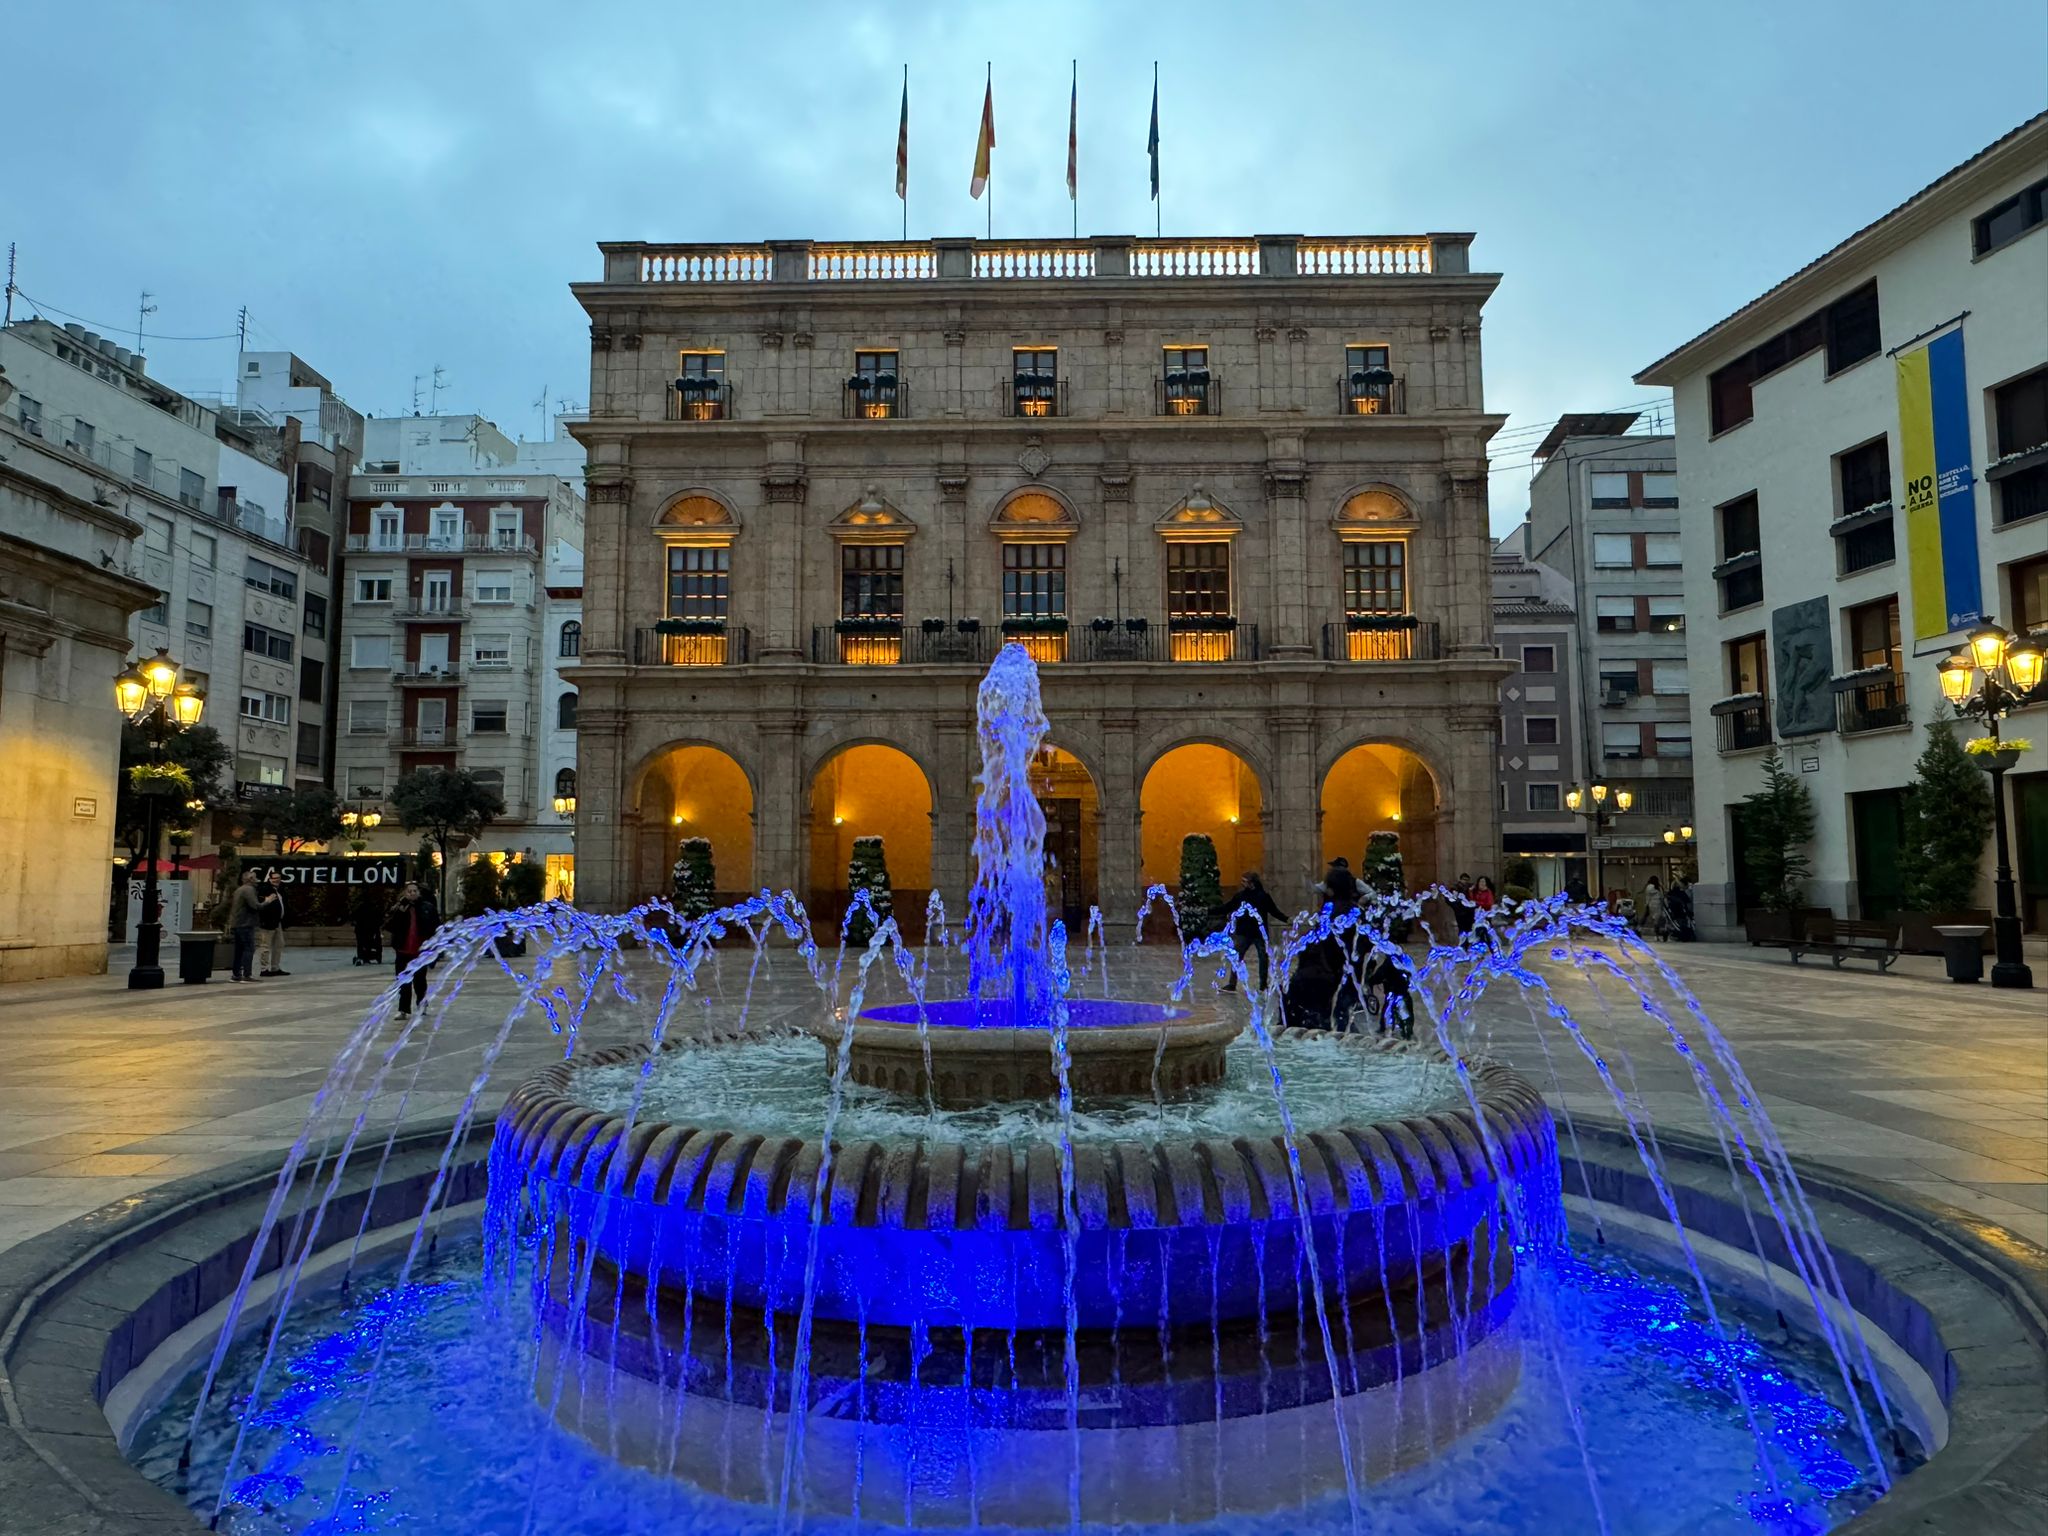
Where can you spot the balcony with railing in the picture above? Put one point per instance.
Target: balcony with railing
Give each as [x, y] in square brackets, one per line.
[1743, 722]
[410, 674]
[1372, 392]
[1381, 637]
[1188, 392]
[692, 643]
[449, 612]
[874, 397]
[1864, 538]
[1871, 700]
[1027, 394]
[426, 738]
[696, 397]
[1741, 580]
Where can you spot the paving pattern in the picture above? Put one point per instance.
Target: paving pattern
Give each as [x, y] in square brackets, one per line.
[1905, 1078]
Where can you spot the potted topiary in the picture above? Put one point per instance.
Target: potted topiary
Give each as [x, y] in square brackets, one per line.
[867, 871]
[1777, 820]
[694, 879]
[1946, 824]
[1200, 897]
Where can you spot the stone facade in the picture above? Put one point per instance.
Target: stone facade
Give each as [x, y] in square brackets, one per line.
[1287, 462]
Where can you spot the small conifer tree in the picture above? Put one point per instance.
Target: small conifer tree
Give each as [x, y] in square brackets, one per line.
[1777, 822]
[1382, 869]
[1200, 898]
[1947, 820]
[868, 870]
[696, 879]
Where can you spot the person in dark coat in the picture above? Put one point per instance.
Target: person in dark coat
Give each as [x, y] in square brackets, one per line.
[369, 924]
[1323, 990]
[1253, 902]
[412, 922]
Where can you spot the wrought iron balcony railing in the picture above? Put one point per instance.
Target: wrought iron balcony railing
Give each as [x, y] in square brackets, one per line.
[699, 397]
[1744, 722]
[1870, 702]
[699, 643]
[1381, 637]
[1372, 392]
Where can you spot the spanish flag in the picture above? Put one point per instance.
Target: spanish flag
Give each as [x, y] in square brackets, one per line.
[985, 142]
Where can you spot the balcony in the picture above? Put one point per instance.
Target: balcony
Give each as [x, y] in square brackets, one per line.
[2021, 483]
[1871, 700]
[1381, 637]
[1034, 395]
[867, 642]
[691, 643]
[411, 674]
[426, 738]
[1744, 722]
[1188, 392]
[699, 398]
[874, 397]
[1372, 392]
[1741, 580]
[1864, 538]
[1043, 636]
[429, 613]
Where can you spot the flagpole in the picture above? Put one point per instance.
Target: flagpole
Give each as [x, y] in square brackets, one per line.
[989, 228]
[906, 162]
[1073, 128]
[1157, 201]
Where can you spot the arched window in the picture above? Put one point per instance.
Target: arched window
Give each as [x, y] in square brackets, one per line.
[565, 781]
[572, 638]
[565, 712]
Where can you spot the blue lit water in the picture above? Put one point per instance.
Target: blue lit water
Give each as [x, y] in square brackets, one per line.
[459, 1442]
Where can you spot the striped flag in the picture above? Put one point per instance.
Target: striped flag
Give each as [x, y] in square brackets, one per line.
[984, 142]
[1074, 137]
[903, 142]
[1152, 138]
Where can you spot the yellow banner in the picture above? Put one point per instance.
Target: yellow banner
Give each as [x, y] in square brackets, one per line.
[1923, 505]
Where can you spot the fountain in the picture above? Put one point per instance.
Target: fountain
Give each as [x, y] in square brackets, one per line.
[999, 1254]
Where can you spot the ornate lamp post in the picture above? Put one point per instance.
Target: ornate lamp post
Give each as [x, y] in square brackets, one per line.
[1994, 674]
[151, 696]
[355, 823]
[1591, 803]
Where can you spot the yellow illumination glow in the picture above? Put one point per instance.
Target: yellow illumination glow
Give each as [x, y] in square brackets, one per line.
[1184, 405]
[838, 821]
[1670, 836]
[1987, 645]
[1035, 407]
[1958, 680]
[131, 692]
[1686, 833]
[1573, 799]
[1623, 799]
[1043, 648]
[1233, 818]
[676, 820]
[1599, 794]
[1394, 816]
[2023, 664]
[1366, 405]
[187, 705]
[1379, 644]
[161, 674]
[871, 650]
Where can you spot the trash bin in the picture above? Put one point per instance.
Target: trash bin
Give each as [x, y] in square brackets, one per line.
[195, 956]
[1962, 946]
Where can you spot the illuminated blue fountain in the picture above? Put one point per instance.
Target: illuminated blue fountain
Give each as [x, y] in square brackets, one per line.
[1027, 1260]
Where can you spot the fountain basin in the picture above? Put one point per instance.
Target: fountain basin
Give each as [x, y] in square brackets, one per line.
[961, 1053]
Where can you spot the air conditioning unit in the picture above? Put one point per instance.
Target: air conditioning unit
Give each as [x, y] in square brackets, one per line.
[35, 428]
[1615, 698]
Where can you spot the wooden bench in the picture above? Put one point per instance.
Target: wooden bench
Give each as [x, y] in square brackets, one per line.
[1842, 938]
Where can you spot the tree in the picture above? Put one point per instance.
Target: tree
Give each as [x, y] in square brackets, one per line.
[292, 818]
[479, 886]
[450, 806]
[522, 884]
[868, 870]
[1383, 869]
[1947, 820]
[1200, 897]
[199, 751]
[1777, 824]
[695, 877]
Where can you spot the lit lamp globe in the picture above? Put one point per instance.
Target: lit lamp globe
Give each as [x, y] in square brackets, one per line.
[565, 805]
[1624, 798]
[1958, 677]
[1987, 644]
[373, 818]
[2023, 665]
[160, 673]
[1573, 798]
[1686, 833]
[1670, 836]
[187, 705]
[131, 692]
[1599, 794]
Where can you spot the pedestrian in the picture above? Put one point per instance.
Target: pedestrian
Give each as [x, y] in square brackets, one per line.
[270, 925]
[1575, 889]
[1247, 933]
[369, 922]
[243, 913]
[1340, 887]
[1462, 909]
[1388, 980]
[1483, 902]
[1678, 904]
[1655, 910]
[412, 922]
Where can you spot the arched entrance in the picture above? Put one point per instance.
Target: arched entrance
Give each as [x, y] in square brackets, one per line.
[1200, 788]
[1380, 787]
[693, 791]
[1067, 793]
[871, 791]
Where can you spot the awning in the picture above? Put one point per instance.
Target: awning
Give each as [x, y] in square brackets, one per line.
[165, 867]
[1543, 842]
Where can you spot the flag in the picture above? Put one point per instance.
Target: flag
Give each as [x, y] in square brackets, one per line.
[903, 141]
[984, 142]
[1073, 138]
[1152, 139]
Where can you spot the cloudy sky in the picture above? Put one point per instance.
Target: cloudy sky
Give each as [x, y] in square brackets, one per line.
[390, 186]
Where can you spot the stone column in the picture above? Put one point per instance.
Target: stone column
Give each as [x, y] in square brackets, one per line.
[951, 533]
[782, 846]
[607, 600]
[1468, 829]
[1119, 877]
[952, 821]
[1287, 528]
[603, 854]
[781, 600]
[1294, 844]
[1468, 614]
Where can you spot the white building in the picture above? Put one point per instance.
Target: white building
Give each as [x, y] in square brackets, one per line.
[1801, 575]
[561, 647]
[1541, 707]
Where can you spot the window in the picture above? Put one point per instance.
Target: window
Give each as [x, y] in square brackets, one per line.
[565, 712]
[1542, 797]
[315, 484]
[1660, 488]
[1613, 552]
[700, 585]
[158, 612]
[191, 487]
[1034, 381]
[2021, 469]
[487, 717]
[144, 470]
[2010, 219]
[1661, 551]
[384, 530]
[1748, 665]
[1614, 615]
[870, 581]
[274, 579]
[437, 592]
[1197, 581]
[1539, 658]
[370, 652]
[1184, 381]
[1667, 615]
[373, 589]
[493, 587]
[1847, 328]
[1863, 477]
[316, 547]
[29, 411]
[1034, 581]
[157, 533]
[875, 389]
[268, 708]
[84, 436]
[365, 780]
[202, 548]
[699, 392]
[1619, 681]
[505, 532]
[572, 638]
[265, 641]
[315, 621]
[368, 717]
[1368, 381]
[1674, 738]
[312, 680]
[492, 651]
[565, 782]
[1740, 536]
[447, 529]
[1669, 677]
[309, 744]
[198, 620]
[2030, 595]
[1623, 740]
[1852, 328]
[1609, 490]
[1540, 731]
[1376, 577]
[492, 779]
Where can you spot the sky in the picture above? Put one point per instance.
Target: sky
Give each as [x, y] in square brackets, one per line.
[390, 187]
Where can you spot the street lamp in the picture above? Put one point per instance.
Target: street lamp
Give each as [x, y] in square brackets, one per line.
[2010, 667]
[1591, 803]
[565, 805]
[152, 698]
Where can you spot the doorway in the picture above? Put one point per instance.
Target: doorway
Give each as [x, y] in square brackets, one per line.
[2030, 848]
[1878, 821]
[1063, 847]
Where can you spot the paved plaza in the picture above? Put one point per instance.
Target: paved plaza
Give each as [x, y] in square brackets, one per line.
[1940, 1089]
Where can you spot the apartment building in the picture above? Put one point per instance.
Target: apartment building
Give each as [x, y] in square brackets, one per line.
[1826, 574]
[1536, 627]
[562, 651]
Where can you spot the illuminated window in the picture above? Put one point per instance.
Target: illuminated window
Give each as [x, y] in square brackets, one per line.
[871, 581]
[1185, 382]
[1197, 581]
[699, 392]
[1368, 381]
[1376, 578]
[699, 587]
[1034, 381]
[1035, 598]
[876, 389]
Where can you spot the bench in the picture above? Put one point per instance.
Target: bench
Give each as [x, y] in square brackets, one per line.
[1842, 938]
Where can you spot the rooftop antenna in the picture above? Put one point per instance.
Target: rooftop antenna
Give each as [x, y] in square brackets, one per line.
[434, 395]
[1116, 577]
[416, 394]
[142, 312]
[541, 405]
[242, 329]
[10, 285]
[473, 436]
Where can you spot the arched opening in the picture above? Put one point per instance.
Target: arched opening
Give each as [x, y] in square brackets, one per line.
[572, 639]
[1201, 788]
[1382, 788]
[871, 791]
[692, 791]
[1068, 796]
[565, 712]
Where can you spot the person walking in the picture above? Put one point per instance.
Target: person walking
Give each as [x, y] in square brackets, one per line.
[412, 922]
[270, 926]
[1247, 933]
[1463, 912]
[369, 924]
[1483, 903]
[244, 911]
[1655, 911]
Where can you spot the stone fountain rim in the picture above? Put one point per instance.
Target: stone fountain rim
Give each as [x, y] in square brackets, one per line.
[1189, 1025]
[1138, 1182]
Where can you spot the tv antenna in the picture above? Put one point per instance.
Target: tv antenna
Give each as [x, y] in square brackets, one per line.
[434, 395]
[143, 311]
[416, 394]
[541, 405]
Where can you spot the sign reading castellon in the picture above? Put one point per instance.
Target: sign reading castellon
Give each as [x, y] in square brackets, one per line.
[385, 872]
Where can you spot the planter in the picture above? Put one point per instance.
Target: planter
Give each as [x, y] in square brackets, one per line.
[1963, 949]
[1996, 762]
[1919, 932]
[1762, 926]
[199, 952]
